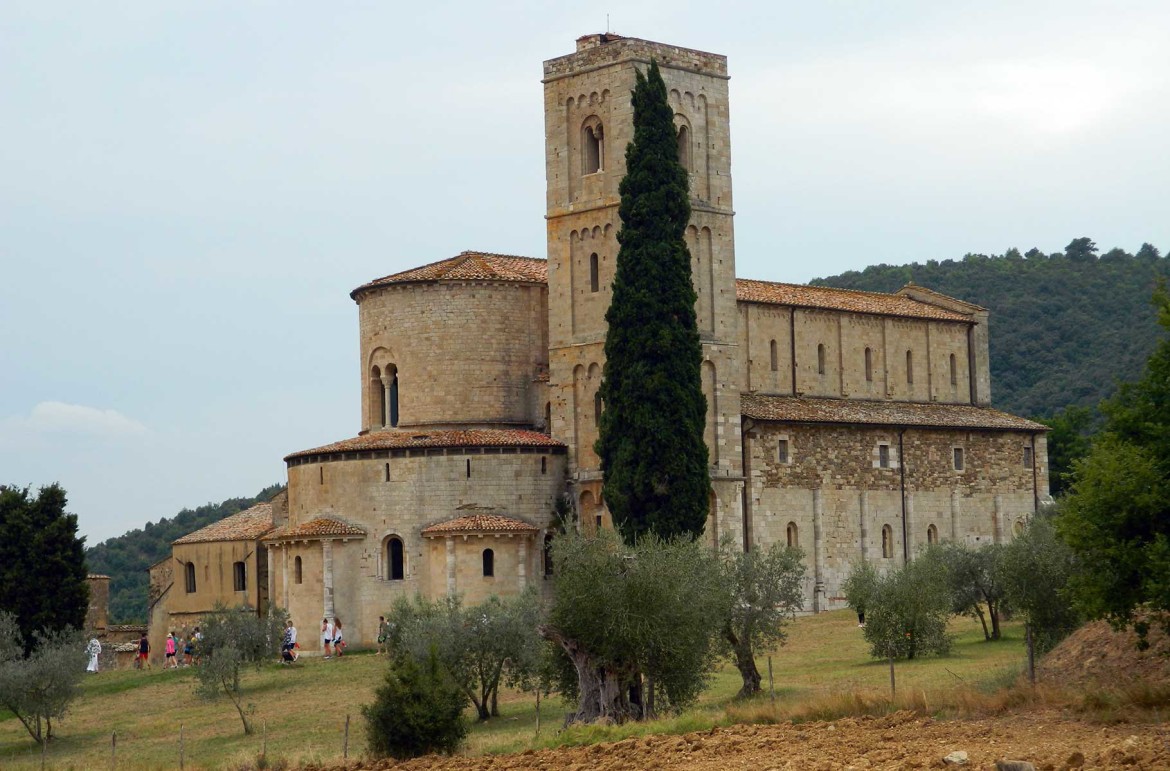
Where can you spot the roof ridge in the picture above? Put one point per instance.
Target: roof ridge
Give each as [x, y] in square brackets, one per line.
[829, 288]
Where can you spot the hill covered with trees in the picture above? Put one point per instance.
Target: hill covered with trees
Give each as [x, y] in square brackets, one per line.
[1065, 327]
[125, 558]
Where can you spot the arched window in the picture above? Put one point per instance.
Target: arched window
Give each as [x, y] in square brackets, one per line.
[594, 280]
[377, 397]
[887, 541]
[821, 359]
[489, 563]
[593, 143]
[298, 573]
[395, 559]
[393, 417]
[932, 535]
[954, 371]
[684, 147]
[548, 562]
[548, 417]
[910, 367]
[190, 571]
[793, 536]
[239, 576]
[597, 407]
[1018, 529]
[869, 364]
[774, 357]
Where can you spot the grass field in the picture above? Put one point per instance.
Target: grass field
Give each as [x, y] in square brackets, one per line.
[300, 712]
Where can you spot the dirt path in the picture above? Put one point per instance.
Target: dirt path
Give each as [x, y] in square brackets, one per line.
[900, 741]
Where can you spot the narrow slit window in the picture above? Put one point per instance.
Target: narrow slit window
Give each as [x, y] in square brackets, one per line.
[883, 456]
[954, 371]
[782, 450]
[298, 571]
[190, 571]
[958, 459]
[1027, 457]
[932, 535]
[887, 542]
[594, 149]
[543, 464]
[387, 472]
[394, 401]
[598, 522]
[774, 356]
[320, 475]
[793, 536]
[594, 276]
[684, 147]
[468, 471]
[869, 364]
[239, 576]
[821, 359]
[489, 563]
[395, 559]
[910, 367]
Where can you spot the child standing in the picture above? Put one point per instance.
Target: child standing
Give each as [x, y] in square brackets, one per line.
[338, 643]
[327, 637]
[170, 662]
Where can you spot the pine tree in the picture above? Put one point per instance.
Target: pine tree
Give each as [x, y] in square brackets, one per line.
[42, 562]
[651, 434]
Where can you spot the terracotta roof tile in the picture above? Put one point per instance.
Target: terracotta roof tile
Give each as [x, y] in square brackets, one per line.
[801, 296]
[469, 266]
[316, 528]
[248, 525]
[480, 523]
[389, 440]
[804, 409]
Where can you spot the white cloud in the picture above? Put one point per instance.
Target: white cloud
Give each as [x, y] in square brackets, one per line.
[61, 418]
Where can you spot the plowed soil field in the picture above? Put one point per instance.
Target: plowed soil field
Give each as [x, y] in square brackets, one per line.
[899, 741]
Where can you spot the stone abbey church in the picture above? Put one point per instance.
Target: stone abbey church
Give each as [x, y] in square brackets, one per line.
[854, 425]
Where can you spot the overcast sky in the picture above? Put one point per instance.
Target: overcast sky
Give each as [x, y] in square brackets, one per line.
[189, 191]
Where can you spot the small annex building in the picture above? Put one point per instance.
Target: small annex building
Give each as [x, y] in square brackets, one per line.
[854, 425]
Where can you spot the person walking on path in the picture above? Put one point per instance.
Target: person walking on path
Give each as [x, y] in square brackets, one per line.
[383, 632]
[143, 660]
[288, 646]
[327, 637]
[338, 642]
[170, 662]
[94, 649]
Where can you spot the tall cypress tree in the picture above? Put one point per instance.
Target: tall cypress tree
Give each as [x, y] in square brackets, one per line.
[651, 434]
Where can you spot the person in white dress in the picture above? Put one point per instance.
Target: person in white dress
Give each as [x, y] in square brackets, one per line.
[94, 649]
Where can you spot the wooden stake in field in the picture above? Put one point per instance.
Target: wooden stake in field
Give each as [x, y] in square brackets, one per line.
[264, 738]
[538, 711]
[771, 683]
[113, 750]
[181, 746]
[345, 743]
[1031, 653]
[893, 685]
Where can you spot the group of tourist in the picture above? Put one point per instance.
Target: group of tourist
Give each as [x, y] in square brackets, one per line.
[332, 639]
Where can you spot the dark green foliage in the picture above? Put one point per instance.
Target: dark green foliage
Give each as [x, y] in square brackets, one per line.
[1065, 327]
[1068, 441]
[651, 433]
[39, 686]
[42, 562]
[417, 710]
[1116, 518]
[125, 558]
[1035, 568]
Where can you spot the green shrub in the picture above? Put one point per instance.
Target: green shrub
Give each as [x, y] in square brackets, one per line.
[416, 711]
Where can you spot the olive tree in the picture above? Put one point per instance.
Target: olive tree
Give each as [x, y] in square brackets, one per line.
[638, 624]
[906, 610]
[765, 589]
[39, 687]
[233, 639]
[478, 646]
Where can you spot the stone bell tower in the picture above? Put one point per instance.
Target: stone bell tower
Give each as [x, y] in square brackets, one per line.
[588, 122]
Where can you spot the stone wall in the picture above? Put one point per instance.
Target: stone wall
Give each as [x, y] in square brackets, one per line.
[464, 352]
[833, 498]
[422, 489]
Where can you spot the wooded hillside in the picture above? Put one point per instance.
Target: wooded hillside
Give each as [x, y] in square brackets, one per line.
[1065, 327]
[125, 558]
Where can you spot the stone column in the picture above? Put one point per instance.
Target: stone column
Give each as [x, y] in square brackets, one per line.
[522, 563]
[385, 401]
[955, 515]
[327, 576]
[909, 545]
[997, 520]
[818, 553]
[450, 566]
[284, 575]
[863, 503]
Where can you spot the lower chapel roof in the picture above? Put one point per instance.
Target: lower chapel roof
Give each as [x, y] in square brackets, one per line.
[479, 523]
[248, 525]
[407, 439]
[805, 409]
[316, 528]
[483, 266]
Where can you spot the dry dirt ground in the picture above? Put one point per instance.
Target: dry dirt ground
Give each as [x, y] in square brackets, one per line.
[899, 741]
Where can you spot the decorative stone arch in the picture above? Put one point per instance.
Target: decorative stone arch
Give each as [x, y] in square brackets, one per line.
[489, 563]
[1018, 528]
[710, 434]
[592, 145]
[887, 542]
[685, 136]
[595, 387]
[931, 535]
[383, 389]
[392, 557]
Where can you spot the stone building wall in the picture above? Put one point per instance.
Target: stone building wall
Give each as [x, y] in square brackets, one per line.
[428, 487]
[835, 498]
[465, 352]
